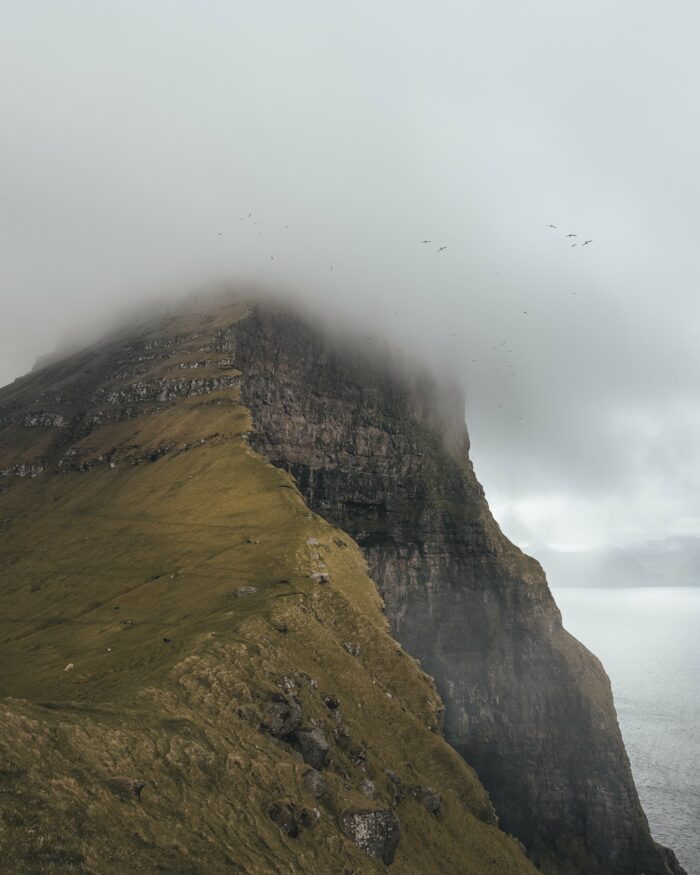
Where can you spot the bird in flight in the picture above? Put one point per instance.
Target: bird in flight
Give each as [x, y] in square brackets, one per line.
[586, 242]
[441, 248]
[551, 226]
[524, 312]
[425, 241]
[572, 235]
[574, 244]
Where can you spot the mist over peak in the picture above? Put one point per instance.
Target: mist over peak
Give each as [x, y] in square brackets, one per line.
[310, 153]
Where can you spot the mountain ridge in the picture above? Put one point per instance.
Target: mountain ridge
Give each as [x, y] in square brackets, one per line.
[379, 454]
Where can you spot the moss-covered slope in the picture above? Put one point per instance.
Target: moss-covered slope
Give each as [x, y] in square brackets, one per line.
[176, 627]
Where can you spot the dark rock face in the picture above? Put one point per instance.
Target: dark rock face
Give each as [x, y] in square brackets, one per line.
[313, 746]
[377, 833]
[385, 457]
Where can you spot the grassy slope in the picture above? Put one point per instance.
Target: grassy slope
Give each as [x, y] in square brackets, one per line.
[96, 569]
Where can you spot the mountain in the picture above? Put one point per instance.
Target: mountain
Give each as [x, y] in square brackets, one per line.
[667, 562]
[214, 531]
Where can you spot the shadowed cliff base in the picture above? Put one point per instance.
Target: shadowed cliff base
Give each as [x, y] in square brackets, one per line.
[128, 486]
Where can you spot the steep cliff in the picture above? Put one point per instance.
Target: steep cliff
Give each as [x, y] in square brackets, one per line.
[195, 672]
[383, 454]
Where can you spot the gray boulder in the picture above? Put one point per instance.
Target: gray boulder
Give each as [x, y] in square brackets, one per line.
[377, 833]
[313, 746]
[315, 783]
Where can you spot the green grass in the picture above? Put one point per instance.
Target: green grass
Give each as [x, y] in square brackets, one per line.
[96, 569]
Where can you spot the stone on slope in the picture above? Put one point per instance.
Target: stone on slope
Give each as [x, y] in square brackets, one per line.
[377, 833]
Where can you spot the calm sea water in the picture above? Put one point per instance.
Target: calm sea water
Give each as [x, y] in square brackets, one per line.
[648, 639]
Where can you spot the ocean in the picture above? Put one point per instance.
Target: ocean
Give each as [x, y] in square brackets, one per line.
[648, 639]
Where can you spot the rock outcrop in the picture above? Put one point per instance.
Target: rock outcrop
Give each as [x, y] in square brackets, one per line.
[377, 833]
[384, 456]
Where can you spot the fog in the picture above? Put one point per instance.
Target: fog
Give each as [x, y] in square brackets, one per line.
[153, 149]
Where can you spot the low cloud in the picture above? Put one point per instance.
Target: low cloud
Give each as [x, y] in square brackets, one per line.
[152, 149]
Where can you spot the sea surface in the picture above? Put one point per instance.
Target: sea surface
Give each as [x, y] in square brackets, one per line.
[648, 639]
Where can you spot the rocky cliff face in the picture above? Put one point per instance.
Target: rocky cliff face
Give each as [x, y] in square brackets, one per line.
[195, 673]
[161, 585]
[385, 456]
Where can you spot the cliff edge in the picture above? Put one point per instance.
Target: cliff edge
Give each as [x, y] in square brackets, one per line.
[194, 667]
[383, 454]
[195, 672]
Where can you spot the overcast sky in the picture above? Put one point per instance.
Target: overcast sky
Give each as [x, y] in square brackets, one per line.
[137, 137]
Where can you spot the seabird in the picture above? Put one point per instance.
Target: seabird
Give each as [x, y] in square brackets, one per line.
[441, 248]
[572, 235]
[574, 244]
[551, 226]
[425, 241]
[586, 242]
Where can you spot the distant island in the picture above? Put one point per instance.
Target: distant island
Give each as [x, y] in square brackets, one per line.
[673, 561]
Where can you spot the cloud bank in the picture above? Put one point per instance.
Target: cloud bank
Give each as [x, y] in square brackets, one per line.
[309, 148]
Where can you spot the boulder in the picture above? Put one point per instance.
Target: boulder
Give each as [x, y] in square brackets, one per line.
[377, 833]
[315, 783]
[313, 746]
[282, 716]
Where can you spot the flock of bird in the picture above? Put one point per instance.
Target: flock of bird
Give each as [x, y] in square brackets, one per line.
[585, 242]
[442, 248]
